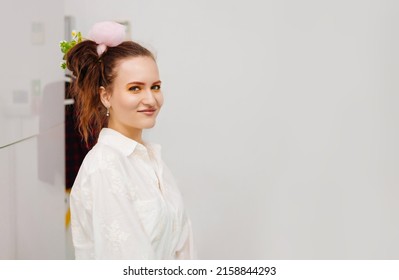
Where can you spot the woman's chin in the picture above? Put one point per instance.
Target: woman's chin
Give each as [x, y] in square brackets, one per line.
[148, 125]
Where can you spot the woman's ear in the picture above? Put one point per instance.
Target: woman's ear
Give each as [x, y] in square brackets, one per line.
[105, 97]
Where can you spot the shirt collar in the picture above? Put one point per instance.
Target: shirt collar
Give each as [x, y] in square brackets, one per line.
[117, 140]
[124, 144]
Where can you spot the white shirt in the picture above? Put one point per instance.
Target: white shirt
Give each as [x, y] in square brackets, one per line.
[125, 204]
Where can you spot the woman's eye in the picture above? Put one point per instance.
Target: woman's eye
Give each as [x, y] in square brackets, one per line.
[134, 88]
[156, 87]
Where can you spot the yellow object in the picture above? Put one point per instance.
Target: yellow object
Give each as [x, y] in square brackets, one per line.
[67, 218]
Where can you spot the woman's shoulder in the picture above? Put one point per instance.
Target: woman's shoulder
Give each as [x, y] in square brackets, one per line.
[100, 162]
[100, 158]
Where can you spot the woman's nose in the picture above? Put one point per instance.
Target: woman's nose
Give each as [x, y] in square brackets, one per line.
[149, 98]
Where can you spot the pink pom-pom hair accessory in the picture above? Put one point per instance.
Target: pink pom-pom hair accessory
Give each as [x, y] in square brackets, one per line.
[107, 34]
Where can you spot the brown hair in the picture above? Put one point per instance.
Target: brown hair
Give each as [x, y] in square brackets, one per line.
[90, 73]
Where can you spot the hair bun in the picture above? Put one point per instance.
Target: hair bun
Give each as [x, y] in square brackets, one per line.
[107, 34]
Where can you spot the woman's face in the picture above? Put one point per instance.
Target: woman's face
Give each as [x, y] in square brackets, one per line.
[136, 96]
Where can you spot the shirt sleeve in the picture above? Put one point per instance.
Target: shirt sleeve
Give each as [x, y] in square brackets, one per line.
[104, 222]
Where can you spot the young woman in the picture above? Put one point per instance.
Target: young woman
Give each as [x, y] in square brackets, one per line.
[124, 202]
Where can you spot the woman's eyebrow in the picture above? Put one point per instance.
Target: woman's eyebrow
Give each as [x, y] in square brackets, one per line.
[141, 83]
[136, 82]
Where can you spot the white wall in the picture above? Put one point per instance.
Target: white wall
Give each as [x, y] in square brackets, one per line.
[280, 121]
[32, 187]
[30, 32]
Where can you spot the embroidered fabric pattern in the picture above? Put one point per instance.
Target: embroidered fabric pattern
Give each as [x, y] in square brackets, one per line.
[115, 235]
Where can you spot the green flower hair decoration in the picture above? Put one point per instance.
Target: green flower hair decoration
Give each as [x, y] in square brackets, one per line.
[66, 46]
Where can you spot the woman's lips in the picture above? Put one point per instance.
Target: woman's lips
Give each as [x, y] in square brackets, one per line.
[148, 112]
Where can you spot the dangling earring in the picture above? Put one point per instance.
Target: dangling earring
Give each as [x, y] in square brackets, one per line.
[107, 114]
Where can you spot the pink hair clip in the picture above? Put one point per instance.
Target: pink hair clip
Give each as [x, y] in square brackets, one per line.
[107, 34]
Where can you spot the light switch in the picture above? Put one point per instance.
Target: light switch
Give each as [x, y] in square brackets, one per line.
[36, 90]
[37, 33]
